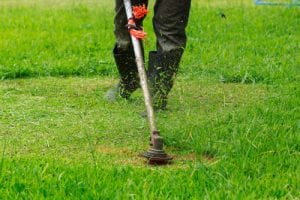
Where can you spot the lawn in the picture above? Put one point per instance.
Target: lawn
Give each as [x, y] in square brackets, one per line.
[232, 123]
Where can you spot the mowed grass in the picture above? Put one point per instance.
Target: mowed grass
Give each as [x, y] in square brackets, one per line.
[232, 123]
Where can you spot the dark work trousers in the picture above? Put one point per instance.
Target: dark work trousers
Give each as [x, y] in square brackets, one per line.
[169, 23]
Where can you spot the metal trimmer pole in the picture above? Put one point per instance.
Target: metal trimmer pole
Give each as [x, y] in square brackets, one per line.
[156, 153]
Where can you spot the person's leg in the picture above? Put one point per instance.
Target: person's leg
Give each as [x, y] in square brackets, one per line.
[170, 20]
[124, 55]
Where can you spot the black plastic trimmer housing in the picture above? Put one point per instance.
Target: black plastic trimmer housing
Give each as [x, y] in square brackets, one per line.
[156, 154]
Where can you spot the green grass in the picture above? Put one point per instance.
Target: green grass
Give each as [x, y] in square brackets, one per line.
[232, 124]
[253, 44]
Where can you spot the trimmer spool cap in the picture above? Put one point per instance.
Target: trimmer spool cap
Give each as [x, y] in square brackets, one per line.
[156, 153]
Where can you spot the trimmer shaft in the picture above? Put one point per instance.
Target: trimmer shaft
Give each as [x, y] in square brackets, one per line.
[156, 154]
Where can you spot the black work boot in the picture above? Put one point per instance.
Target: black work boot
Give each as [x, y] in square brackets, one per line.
[129, 79]
[161, 72]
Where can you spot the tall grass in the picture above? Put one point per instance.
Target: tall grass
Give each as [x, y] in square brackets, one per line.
[228, 41]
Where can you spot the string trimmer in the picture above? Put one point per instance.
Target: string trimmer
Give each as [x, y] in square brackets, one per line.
[156, 153]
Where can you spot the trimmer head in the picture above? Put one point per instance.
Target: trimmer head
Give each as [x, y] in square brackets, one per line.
[156, 154]
[157, 157]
